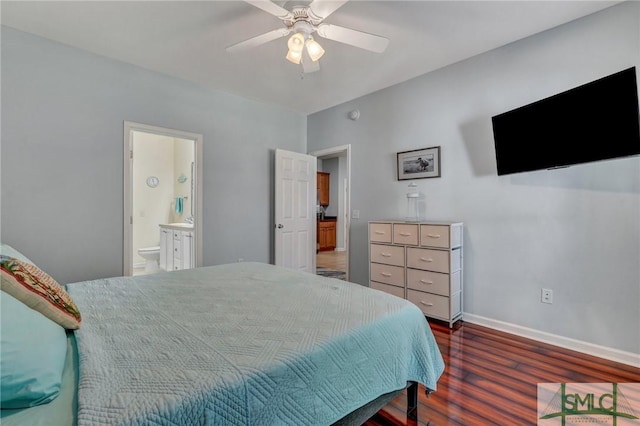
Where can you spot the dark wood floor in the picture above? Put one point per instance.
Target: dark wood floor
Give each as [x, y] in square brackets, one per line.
[491, 378]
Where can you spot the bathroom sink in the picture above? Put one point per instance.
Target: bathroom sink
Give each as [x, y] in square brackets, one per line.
[181, 225]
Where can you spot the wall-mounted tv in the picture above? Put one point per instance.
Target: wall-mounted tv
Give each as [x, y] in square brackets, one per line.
[596, 121]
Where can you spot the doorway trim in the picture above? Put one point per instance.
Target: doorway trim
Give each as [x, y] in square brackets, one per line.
[339, 151]
[129, 128]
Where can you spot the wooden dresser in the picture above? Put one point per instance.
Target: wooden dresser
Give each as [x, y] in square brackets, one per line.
[421, 262]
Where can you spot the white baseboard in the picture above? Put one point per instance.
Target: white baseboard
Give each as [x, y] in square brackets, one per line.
[339, 249]
[139, 265]
[616, 355]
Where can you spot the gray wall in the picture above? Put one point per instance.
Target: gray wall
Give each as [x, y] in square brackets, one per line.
[331, 166]
[62, 148]
[575, 230]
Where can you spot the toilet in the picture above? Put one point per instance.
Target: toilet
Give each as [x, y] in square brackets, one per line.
[151, 256]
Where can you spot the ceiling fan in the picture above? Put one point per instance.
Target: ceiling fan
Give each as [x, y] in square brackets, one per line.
[303, 22]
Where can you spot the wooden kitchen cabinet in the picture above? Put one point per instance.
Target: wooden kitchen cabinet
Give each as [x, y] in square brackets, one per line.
[326, 234]
[323, 188]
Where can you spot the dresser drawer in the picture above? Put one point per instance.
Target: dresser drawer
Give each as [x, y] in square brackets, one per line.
[388, 274]
[404, 233]
[435, 236]
[390, 255]
[380, 232]
[430, 304]
[433, 260]
[391, 289]
[430, 282]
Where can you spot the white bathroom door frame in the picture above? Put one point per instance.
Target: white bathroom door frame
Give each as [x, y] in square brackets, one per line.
[341, 151]
[129, 128]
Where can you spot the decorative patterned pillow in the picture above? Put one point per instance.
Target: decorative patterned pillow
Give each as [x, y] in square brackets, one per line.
[36, 289]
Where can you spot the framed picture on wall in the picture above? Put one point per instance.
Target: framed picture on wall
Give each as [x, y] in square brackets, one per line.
[419, 163]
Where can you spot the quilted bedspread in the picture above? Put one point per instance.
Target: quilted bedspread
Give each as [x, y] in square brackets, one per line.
[243, 344]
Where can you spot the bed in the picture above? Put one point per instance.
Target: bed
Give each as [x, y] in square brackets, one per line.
[244, 344]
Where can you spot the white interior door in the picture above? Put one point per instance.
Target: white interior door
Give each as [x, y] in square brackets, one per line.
[295, 215]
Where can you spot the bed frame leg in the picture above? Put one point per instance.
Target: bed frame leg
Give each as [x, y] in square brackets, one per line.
[412, 401]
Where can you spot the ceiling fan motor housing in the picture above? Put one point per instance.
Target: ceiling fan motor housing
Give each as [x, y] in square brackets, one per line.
[305, 16]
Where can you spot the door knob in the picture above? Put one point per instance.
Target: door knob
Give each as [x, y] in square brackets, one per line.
[280, 226]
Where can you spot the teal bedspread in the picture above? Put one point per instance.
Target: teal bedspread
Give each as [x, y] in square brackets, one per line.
[243, 344]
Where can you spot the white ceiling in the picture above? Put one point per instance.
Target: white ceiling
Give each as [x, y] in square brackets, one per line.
[187, 39]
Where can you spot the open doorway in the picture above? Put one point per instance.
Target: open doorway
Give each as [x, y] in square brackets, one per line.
[163, 199]
[333, 207]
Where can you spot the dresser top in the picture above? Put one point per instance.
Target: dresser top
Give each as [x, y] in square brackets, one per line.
[419, 222]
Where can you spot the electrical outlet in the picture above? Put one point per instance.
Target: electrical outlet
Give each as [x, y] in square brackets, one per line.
[240, 260]
[355, 214]
[547, 296]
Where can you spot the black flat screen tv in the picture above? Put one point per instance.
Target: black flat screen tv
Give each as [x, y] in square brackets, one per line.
[596, 121]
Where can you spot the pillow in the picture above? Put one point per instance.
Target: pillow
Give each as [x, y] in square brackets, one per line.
[30, 285]
[32, 355]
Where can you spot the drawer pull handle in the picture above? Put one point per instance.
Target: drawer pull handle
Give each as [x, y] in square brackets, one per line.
[379, 232]
[405, 234]
[424, 259]
[426, 303]
[433, 235]
[385, 274]
[426, 282]
[385, 254]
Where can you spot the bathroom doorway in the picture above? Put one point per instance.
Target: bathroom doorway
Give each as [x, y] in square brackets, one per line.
[162, 199]
[332, 260]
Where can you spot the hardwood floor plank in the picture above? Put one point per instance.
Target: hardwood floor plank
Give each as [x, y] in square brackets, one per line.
[336, 260]
[486, 406]
[535, 363]
[491, 378]
[569, 357]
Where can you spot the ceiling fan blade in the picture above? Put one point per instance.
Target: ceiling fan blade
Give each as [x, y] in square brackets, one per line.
[271, 8]
[258, 40]
[355, 38]
[309, 66]
[324, 8]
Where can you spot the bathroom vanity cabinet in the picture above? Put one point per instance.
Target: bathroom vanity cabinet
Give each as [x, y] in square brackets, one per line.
[176, 247]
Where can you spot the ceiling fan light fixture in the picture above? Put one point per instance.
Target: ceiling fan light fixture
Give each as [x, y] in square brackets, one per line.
[314, 49]
[294, 56]
[296, 43]
[300, 23]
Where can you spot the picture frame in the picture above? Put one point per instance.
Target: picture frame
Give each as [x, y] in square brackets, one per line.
[419, 163]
